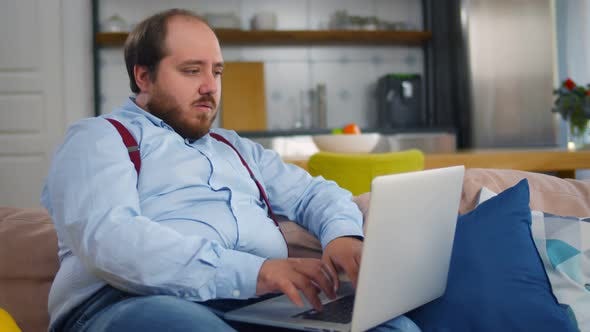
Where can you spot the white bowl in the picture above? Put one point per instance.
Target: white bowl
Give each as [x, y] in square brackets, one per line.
[347, 143]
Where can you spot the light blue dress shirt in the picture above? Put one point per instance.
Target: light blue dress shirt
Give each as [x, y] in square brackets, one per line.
[192, 224]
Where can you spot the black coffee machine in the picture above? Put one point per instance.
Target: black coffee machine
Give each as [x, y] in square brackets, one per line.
[400, 101]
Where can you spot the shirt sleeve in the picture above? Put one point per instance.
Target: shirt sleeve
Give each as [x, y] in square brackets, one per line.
[319, 205]
[92, 196]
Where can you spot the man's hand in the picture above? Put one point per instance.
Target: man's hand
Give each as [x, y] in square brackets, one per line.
[307, 275]
[344, 254]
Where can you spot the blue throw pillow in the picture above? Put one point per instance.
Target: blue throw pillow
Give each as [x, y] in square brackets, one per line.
[496, 278]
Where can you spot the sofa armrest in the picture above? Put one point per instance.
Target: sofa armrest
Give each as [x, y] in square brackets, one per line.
[28, 264]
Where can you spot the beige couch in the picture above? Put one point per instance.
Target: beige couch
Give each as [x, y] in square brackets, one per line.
[28, 243]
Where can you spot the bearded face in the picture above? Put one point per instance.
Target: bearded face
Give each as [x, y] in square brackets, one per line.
[192, 120]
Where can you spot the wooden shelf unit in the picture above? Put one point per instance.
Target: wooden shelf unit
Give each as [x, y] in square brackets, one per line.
[297, 37]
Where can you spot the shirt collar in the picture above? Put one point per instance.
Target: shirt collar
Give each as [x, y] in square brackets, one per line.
[131, 106]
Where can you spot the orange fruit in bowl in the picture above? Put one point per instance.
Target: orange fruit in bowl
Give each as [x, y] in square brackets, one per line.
[351, 128]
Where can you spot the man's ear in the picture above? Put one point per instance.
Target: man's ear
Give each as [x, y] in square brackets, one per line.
[142, 77]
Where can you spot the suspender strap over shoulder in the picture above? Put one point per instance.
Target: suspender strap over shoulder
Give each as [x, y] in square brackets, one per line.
[130, 143]
[260, 188]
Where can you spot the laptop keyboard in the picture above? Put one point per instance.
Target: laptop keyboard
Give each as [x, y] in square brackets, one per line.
[338, 311]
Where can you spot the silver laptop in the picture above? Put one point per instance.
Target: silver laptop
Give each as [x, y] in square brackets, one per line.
[405, 259]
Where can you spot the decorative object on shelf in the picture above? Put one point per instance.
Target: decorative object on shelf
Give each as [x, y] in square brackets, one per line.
[341, 20]
[264, 21]
[573, 103]
[115, 23]
[227, 20]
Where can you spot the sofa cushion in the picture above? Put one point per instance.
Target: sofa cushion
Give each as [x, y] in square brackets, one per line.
[300, 242]
[564, 246]
[496, 278]
[565, 197]
[28, 264]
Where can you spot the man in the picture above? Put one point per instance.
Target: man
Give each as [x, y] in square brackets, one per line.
[140, 250]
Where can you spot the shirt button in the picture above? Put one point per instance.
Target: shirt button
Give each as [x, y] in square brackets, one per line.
[235, 293]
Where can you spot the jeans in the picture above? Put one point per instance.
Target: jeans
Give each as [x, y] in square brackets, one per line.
[111, 310]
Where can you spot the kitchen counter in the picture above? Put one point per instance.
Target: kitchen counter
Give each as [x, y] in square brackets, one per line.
[299, 143]
[564, 163]
[323, 131]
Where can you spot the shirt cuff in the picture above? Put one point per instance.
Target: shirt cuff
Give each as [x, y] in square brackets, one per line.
[237, 276]
[340, 228]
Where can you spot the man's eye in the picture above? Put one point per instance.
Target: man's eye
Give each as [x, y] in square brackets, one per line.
[218, 73]
[191, 71]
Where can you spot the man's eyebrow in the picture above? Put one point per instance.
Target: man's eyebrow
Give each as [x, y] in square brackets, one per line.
[200, 62]
[192, 62]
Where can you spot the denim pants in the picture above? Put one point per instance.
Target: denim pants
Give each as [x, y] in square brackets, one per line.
[111, 310]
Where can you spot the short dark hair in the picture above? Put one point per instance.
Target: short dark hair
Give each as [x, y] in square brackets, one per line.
[145, 44]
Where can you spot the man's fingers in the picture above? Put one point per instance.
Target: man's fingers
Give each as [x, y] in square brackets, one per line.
[315, 270]
[357, 259]
[331, 272]
[294, 277]
[291, 291]
[351, 268]
[330, 268]
[311, 293]
[298, 281]
[344, 254]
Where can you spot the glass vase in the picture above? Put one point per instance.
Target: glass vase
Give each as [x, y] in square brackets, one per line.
[578, 138]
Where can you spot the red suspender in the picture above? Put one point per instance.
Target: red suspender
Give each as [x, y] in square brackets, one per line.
[260, 189]
[130, 143]
[133, 149]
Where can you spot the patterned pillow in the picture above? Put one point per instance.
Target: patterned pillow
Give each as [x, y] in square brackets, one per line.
[564, 246]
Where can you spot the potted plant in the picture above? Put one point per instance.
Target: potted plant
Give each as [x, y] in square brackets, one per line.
[573, 103]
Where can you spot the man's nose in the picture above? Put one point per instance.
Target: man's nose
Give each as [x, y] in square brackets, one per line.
[208, 85]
